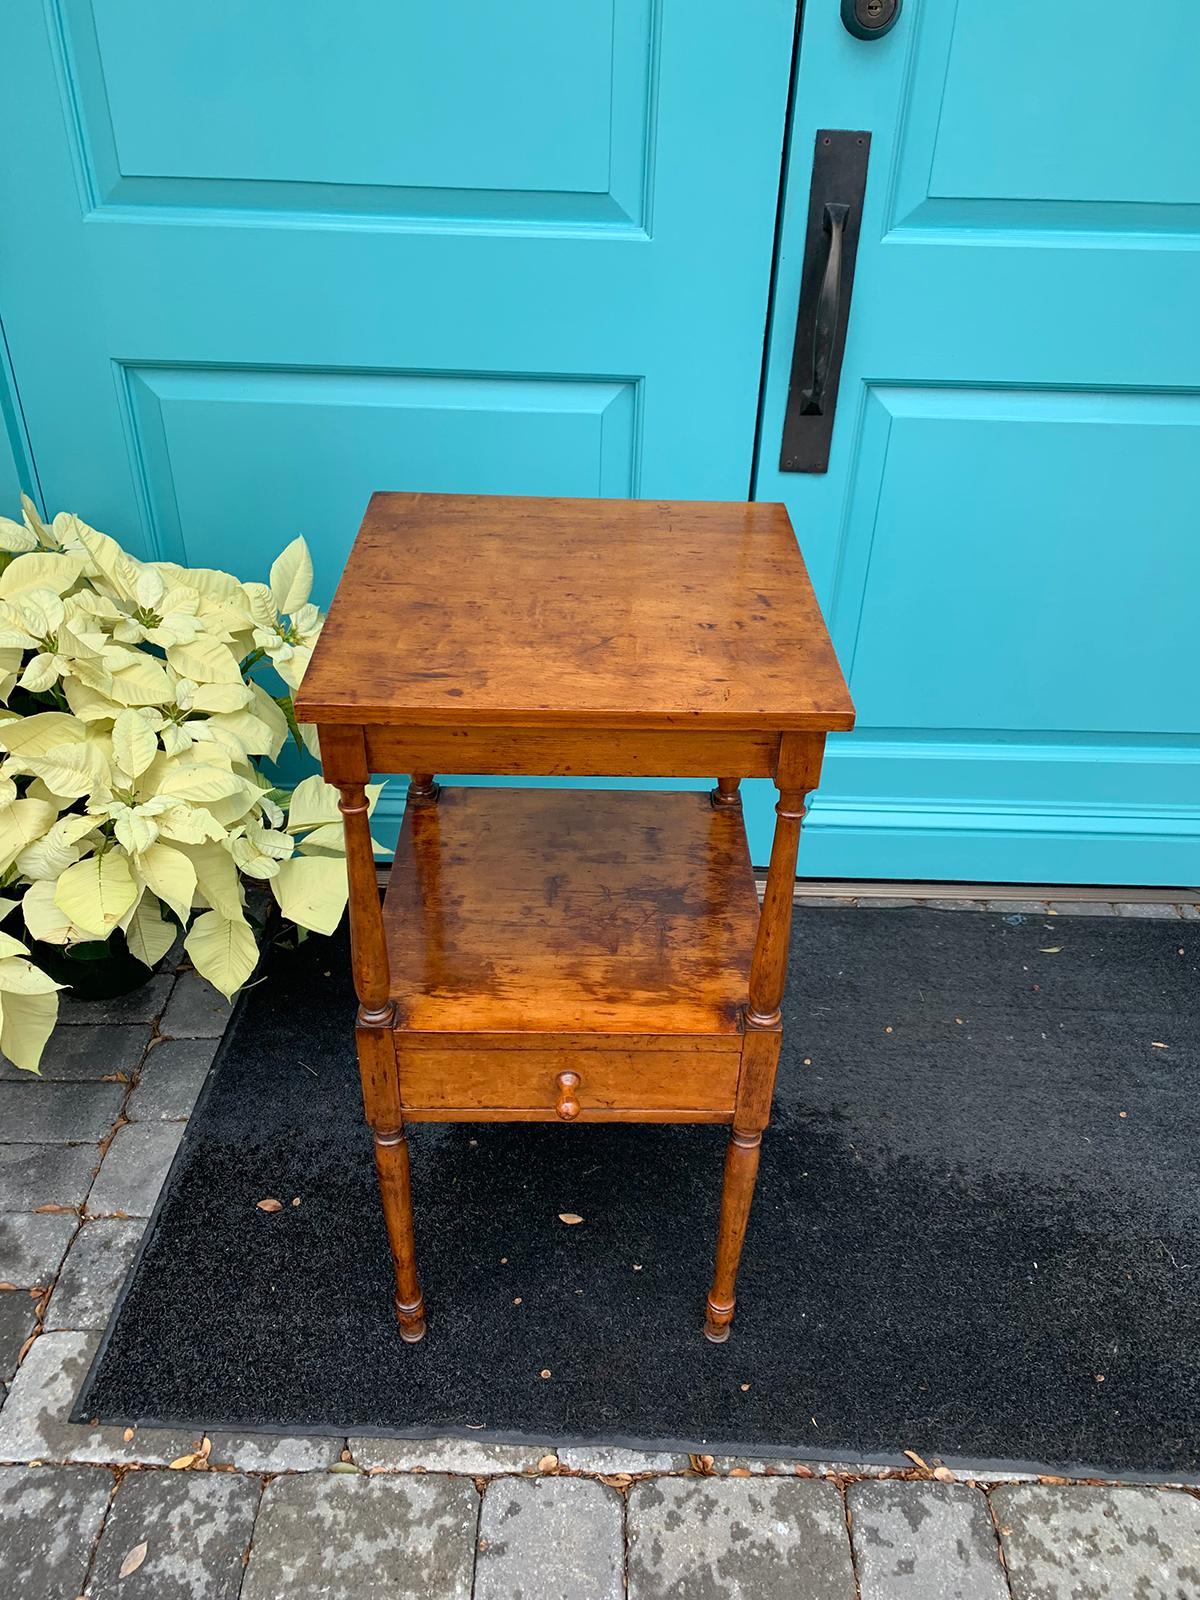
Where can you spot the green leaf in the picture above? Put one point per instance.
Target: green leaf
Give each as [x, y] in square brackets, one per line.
[97, 892]
[222, 950]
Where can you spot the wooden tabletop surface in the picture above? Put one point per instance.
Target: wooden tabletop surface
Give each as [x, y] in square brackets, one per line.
[526, 612]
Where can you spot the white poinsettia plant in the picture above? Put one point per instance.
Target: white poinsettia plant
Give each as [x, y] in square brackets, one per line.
[133, 731]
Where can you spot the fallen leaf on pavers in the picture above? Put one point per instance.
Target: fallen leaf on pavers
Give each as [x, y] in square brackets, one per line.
[616, 1480]
[133, 1559]
[548, 1464]
[544, 1373]
[24, 1350]
[205, 1448]
[917, 1461]
[943, 1474]
[1050, 1477]
[182, 1463]
[296, 1200]
[7, 1285]
[345, 1466]
[801, 1471]
[569, 1217]
[127, 1435]
[268, 1205]
[54, 1210]
[739, 1472]
[702, 1464]
[1159, 1045]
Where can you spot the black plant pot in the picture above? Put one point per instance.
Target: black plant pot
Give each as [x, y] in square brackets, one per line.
[97, 969]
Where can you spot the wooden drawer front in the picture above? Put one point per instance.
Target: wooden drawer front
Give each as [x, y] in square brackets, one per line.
[532, 1084]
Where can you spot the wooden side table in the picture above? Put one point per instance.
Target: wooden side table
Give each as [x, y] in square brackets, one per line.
[564, 954]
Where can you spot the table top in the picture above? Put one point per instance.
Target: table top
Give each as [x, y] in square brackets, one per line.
[528, 612]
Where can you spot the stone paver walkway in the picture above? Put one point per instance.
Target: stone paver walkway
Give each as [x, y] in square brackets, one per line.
[106, 1512]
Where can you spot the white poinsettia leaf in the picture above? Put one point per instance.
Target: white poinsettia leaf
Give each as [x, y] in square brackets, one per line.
[97, 892]
[312, 803]
[223, 950]
[148, 933]
[312, 891]
[292, 577]
[134, 745]
[26, 1023]
[170, 875]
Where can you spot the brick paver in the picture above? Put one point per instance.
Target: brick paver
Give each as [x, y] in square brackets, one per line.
[49, 1522]
[33, 1175]
[133, 1169]
[325, 1536]
[738, 1539]
[1072, 1541]
[32, 1246]
[92, 1274]
[171, 1078]
[196, 1528]
[549, 1537]
[924, 1541]
[33, 1421]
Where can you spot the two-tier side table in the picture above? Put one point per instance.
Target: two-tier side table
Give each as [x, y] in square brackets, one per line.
[572, 954]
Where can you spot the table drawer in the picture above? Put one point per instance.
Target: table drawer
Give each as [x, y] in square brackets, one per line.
[554, 1084]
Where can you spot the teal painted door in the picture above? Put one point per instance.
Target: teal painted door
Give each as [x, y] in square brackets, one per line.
[260, 260]
[1007, 542]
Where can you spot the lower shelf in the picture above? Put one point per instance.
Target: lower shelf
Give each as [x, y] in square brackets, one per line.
[627, 916]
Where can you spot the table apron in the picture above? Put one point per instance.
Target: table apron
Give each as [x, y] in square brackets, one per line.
[575, 752]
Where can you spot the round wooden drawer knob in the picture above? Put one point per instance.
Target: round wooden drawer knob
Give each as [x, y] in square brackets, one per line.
[568, 1105]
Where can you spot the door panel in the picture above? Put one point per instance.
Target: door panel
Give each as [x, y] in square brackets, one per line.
[285, 255]
[1003, 542]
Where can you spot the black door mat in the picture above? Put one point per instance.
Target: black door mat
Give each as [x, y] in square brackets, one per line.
[976, 1233]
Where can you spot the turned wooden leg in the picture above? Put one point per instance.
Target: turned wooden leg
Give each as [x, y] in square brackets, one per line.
[377, 1054]
[741, 1170]
[391, 1163]
[423, 786]
[799, 768]
[726, 793]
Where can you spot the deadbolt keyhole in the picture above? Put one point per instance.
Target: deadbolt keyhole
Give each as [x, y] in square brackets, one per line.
[870, 19]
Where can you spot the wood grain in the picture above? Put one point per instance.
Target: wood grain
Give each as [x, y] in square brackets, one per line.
[574, 753]
[570, 910]
[473, 610]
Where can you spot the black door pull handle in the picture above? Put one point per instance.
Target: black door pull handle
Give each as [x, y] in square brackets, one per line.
[835, 208]
[825, 322]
